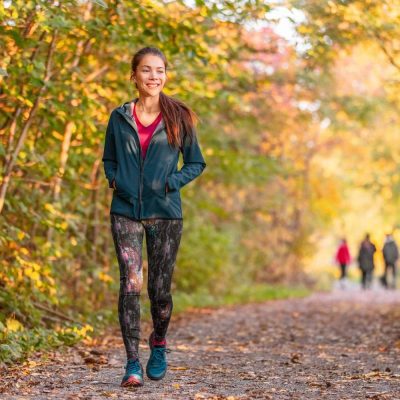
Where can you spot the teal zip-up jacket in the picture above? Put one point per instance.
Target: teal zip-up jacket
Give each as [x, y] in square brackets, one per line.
[141, 184]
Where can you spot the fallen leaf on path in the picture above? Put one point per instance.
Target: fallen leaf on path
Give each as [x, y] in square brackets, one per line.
[295, 358]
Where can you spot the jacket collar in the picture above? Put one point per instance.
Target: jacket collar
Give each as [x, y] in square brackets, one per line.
[126, 109]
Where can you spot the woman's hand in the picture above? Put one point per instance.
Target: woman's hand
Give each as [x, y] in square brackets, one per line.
[113, 184]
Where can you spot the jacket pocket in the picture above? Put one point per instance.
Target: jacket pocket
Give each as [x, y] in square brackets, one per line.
[120, 191]
[116, 184]
[165, 187]
[157, 186]
[170, 190]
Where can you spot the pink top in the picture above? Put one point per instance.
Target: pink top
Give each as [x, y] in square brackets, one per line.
[145, 132]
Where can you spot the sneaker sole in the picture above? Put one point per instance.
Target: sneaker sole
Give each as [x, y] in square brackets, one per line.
[156, 378]
[131, 381]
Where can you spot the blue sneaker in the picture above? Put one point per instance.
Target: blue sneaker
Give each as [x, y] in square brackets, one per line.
[133, 374]
[157, 365]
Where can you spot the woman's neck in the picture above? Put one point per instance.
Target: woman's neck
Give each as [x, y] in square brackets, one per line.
[148, 104]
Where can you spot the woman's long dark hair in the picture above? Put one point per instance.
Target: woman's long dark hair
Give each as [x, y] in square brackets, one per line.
[178, 117]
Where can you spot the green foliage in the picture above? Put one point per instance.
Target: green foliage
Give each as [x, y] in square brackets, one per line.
[241, 294]
[202, 259]
[17, 344]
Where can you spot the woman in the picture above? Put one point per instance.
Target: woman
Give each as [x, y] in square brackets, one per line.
[143, 141]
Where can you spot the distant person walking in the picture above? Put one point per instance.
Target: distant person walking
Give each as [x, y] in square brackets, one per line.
[144, 140]
[390, 255]
[343, 258]
[366, 261]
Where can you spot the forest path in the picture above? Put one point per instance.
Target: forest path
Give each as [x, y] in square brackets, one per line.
[339, 345]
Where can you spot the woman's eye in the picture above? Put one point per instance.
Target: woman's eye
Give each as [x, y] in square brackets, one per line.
[147, 70]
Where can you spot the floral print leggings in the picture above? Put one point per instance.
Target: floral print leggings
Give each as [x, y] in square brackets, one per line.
[162, 241]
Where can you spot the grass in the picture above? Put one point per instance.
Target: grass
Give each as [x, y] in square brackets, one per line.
[240, 295]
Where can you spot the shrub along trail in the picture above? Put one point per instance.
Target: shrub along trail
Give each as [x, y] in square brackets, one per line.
[343, 345]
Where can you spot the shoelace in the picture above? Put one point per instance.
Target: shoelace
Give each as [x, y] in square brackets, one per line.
[133, 367]
[158, 353]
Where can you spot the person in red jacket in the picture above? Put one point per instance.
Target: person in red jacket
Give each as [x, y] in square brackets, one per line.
[343, 258]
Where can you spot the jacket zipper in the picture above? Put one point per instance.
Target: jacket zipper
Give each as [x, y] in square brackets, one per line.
[129, 119]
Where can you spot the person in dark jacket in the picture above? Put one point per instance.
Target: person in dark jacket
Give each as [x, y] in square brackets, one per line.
[144, 139]
[366, 261]
[390, 255]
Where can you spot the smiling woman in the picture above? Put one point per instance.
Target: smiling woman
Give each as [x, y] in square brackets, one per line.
[144, 139]
[149, 73]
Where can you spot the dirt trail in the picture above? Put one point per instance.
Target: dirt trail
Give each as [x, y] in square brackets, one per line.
[342, 345]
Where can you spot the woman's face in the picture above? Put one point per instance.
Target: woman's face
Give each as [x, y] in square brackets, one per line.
[150, 75]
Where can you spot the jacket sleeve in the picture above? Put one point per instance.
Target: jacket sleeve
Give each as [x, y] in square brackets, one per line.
[359, 257]
[193, 164]
[384, 251]
[109, 154]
